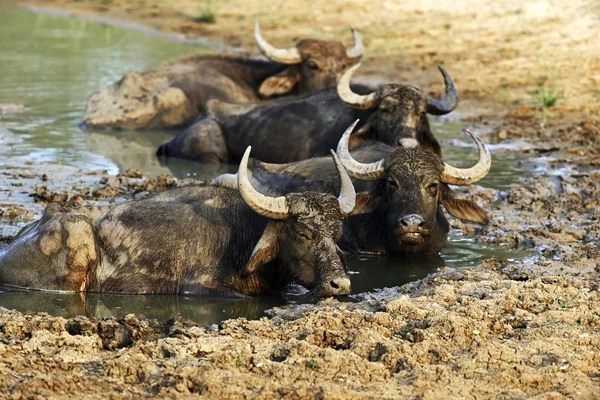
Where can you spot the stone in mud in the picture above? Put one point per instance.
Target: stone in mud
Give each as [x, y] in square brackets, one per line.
[114, 335]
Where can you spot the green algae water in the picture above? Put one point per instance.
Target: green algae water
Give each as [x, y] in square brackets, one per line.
[52, 64]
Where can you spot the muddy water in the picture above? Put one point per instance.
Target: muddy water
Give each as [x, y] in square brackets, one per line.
[52, 64]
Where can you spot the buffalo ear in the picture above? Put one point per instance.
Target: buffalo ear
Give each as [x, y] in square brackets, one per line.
[463, 209]
[365, 203]
[281, 83]
[267, 247]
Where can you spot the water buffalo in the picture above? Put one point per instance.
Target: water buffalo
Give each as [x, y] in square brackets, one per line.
[400, 193]
[293, 129]
[174, 94]
[195, 239]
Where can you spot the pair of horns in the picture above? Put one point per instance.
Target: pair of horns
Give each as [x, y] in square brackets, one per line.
[435, 107]
[292, 55]
[450, 175]
[277, 207]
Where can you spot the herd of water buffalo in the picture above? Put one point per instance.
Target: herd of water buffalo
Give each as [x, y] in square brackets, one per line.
[291, 212]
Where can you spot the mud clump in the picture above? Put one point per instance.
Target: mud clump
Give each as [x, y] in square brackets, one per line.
[132, 182]
[127, 184]
[15, 212]
[43, 195]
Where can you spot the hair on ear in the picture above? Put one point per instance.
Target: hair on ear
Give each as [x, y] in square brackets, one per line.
[463, 209]
[365, 203]
[266, 249]
[279, 84]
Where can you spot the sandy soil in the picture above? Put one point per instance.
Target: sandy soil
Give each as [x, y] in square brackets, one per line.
[506, 329]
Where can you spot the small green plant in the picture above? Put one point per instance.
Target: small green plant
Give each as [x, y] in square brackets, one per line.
[240, 363]
[207, 15]
[577, 326]
[547, 98]
[311, 364]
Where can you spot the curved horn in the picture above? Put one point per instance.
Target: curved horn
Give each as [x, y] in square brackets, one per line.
[466, 176]
[270, 207]
[357, 170]
[283, 56]
[358, 49]
[354, 100]
[448, 101]
[347, 198]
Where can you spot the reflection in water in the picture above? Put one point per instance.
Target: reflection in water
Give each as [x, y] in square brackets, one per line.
[52, 65]
[366, 272]
[135, 149]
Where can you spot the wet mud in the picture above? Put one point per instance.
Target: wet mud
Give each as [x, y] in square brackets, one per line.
[508, 328]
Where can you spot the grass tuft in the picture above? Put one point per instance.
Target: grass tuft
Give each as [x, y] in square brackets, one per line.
[548, 98]
[207, 14]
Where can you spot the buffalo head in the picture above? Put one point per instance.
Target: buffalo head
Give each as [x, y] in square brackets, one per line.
[303, 234]
[314, 64]
[411, 185]
[399, 112]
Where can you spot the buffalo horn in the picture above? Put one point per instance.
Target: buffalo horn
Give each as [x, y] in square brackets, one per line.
[357, 170]
[358, 49]
[283, 56]
[347, 198]
[466, 176]
[354, 100]
[270, 207]
[448, 101]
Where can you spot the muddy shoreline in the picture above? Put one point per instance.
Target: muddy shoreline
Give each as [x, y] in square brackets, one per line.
[506, 329]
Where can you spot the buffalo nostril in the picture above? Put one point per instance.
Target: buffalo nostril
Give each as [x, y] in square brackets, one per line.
[412, 221]
[340, 286]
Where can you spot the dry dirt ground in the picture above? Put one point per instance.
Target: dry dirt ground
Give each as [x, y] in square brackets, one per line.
[506, 329]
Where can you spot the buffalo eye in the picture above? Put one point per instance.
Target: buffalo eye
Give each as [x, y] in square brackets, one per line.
[392, 183]
[385, 109]
[306, 235]
[313, 65]
[433, 188]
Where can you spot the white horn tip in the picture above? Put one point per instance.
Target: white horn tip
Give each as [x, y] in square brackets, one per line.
[351, 127]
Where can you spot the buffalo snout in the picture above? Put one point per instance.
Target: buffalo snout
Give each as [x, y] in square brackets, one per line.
[412, 223]
[412, 229]
[337, 287]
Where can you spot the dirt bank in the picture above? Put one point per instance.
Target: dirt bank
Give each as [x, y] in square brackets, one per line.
[506, 329]
[499, 53]
[460, 334]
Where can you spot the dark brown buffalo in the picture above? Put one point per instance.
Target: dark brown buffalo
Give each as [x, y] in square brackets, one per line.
[293, 129]
[196, 239]
[401, 191]
[174, 94]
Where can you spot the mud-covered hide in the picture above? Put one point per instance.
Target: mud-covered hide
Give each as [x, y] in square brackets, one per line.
[400, 212]
[196, 239]
[173, 95]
